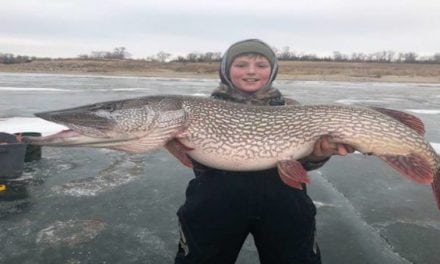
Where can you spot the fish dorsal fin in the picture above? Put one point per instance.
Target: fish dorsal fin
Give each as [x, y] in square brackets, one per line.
[411, 166]
[409, 120]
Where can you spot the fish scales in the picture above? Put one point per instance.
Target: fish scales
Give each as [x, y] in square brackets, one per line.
[234, 136]
[285, 127]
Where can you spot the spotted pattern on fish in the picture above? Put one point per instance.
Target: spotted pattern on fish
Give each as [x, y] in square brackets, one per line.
[234, 136]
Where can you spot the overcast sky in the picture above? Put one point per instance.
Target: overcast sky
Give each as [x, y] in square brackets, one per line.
[67, 28]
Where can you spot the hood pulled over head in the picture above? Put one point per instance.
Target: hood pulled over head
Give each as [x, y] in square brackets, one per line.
[248, 46]
[267, 95]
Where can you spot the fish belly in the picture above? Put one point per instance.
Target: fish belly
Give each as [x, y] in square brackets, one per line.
[232, 162]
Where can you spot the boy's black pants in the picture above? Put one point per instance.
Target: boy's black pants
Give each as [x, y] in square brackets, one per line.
[223, 207]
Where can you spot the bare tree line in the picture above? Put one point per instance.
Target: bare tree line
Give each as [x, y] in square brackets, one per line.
[386, 56]
[284, 54]
[118, 53]
[161, 56]
[9, 58]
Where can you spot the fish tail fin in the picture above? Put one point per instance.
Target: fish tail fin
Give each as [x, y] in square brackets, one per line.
[436, 187]
[417, 169]
[412, 166]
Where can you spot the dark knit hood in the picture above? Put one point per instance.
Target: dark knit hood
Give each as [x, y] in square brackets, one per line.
[227, 91]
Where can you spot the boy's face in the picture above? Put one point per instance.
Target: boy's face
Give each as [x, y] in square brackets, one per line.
[249, 73]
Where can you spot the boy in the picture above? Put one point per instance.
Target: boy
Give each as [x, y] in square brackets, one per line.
[223, 207]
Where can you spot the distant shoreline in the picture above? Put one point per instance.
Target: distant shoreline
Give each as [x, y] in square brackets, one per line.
[288, 70]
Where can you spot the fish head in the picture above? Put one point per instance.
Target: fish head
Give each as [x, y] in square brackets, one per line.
[105, 123]
[94, 120]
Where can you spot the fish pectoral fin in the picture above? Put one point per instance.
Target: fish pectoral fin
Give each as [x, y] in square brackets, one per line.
[409, 120]
[292, 173]
[178, 150]
[411, 166]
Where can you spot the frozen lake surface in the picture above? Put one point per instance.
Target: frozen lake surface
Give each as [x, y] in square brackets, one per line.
[82, 205]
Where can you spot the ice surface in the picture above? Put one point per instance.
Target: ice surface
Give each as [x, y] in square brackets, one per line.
[367, 213]
[436, 146]
[425, 111]
[32, 89]
[29, 124]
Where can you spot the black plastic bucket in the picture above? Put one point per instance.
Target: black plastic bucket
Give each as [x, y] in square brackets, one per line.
[32, 152]
[11, 156]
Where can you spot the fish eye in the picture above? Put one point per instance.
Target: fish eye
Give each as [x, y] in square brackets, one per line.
[95, 107]
[105, 107]
[110, 107]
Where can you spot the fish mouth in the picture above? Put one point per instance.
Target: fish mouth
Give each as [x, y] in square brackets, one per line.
[67, 137]
[70, 137]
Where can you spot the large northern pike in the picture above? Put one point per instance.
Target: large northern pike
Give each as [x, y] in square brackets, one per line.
[233, 136]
